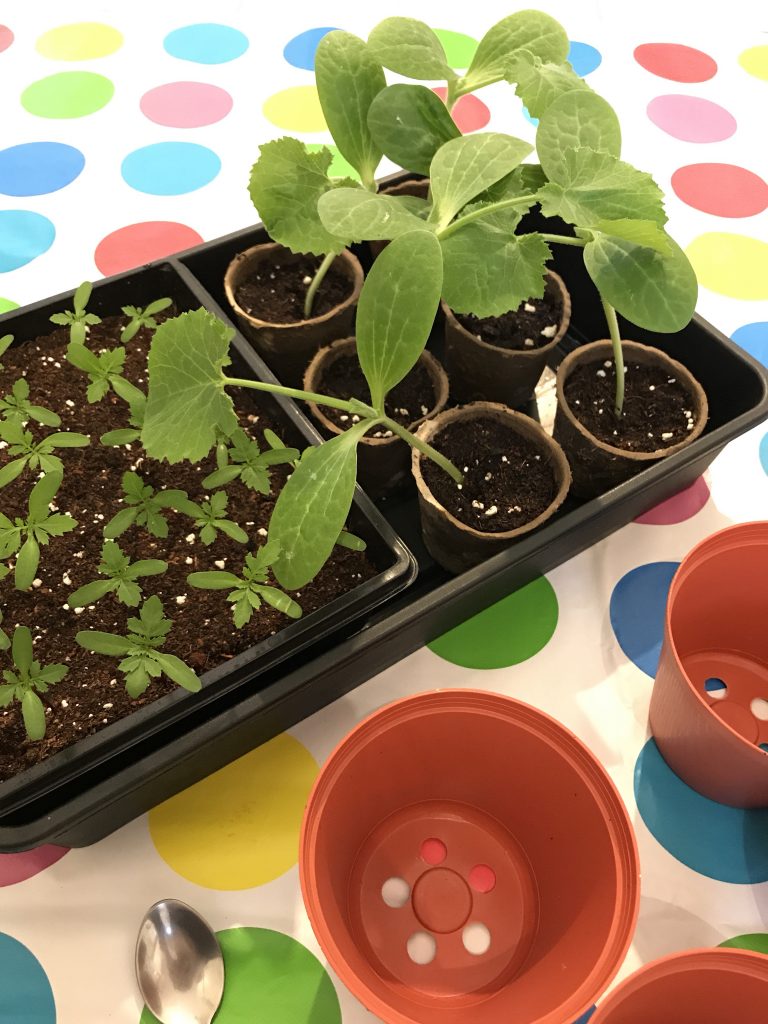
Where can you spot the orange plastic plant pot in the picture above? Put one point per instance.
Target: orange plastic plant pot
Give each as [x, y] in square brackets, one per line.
[699, 986]
[709, 707]
[466, 860]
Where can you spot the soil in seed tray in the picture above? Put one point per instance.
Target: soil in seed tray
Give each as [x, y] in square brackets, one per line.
[277, 291]
[508, 481]
[658, 408]
[92, 695]
[532, 325]
[409, 401]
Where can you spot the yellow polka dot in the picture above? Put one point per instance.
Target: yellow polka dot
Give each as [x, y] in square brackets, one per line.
[85, 40]
[297, 109]
[755, 61]
[239, 827]
[732, 265]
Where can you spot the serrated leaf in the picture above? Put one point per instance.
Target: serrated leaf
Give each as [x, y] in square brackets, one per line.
[96, 390]
[410, 123]
[539, 84]
[90, 593]
[534, 31]
[576, 120]
[129, 593]
[62, 319]
[52, 674]
[187, 406]
[137, 681]
[208, 534]
[241, 610]
[409, 47]
[33, 713]
[58, 524]
[21, 650]
[364, 215]
[640, 232]
[27, 561]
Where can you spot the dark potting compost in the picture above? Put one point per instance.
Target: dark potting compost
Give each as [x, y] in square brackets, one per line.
[532, 325]
[276, 294]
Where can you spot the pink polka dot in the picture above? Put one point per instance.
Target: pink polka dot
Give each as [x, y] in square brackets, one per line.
[136, 244]
[186, 104]
[433, 852]
[482, 878]
[679, 507]
[724, 190]
[691, 118]
[6, 37]
[676, 62]
[469, 113]
[18, 867]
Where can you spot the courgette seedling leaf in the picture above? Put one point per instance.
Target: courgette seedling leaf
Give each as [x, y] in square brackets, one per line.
[410, 123]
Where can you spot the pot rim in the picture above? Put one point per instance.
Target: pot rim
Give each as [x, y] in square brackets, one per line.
[531, 430]
[583, 352]
[348, 258]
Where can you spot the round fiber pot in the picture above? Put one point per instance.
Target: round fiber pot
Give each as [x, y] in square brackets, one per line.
[465, 859]
[699, 986]
[596, 465]
[479, 370]
[453, 544]
[383, 463]
[288, 347]
[710, 699]
[417, 187]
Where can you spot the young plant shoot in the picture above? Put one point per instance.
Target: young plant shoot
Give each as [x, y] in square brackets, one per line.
[77, 319]
[27, 453]
[240, 458]
[27, 682]
[25, 535]
[142, 318]
[121, 578]
[210, 517]
[16, 406]
[143, 507]
[104, 371]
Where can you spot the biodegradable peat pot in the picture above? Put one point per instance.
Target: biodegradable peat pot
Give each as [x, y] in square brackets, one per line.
[383, 463]
[710, 699]
[416, 187]
[699, 986]
[465, 858]
[596, 465]
[480, 370]
[288, 347]
[454, 544]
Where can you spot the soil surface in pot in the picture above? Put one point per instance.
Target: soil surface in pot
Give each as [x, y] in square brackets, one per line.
[409, 401]
[508, 481]
[532, 325]
[658, 408]
[276, 293]
[92, 695]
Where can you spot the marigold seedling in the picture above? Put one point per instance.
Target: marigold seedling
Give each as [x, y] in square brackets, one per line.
[28, 681]
[26, 453]
[78, 320]
[5, 343]
[144, 507]
[121, 574]
[25, 535]
[127, 435]
[240, 458]
[17, 406]
[104, 371]
[5, 641]
[209, 517]
[142, 318]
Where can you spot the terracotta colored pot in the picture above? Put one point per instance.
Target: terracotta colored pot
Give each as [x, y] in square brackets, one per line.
[418, 187]
[699, 986]
[597, 466]
[715, 633]
[461, 821]
[383, 463]
[479, 370]
[453, 544]
[287, 348]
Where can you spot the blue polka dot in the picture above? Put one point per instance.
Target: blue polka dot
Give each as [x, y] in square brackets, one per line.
[638, 604]
[753, 338]
[300, 51]
[584, 58]
[170, 168]
[534, 121]
[206, 43]
[36, 168]
[24, 235]
[764, 453]
[586, 1016]
[725, 843]
[25, 992]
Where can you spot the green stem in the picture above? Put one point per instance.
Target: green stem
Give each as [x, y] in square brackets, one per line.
[353, 406]
[503, 204]
[450, 94]
[317, 280]
[424, 448]
[564, 240]
[618, 353]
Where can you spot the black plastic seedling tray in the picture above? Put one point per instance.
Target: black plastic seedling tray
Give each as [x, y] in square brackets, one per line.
[115, 791]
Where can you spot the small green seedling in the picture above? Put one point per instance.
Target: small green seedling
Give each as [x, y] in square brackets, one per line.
[78, 320]
[17, 406]
[144, 507]
[240, 458]
[210, 517]
[5, 641]
[350, 541]
[142, 659]
[5, 343]
[121, 574]
[248, 590]
[142, 318]
[104, 371]
[26, 535]
[29, 680]
[35, 455]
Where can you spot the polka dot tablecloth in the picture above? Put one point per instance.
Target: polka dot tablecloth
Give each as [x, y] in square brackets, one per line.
[128, 132]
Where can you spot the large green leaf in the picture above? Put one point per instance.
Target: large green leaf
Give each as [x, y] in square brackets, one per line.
[286, 183]
[410, 123]
[576, 120]
[534, 31]
[640, 232]
[312, 508]
[348, 78]
[187, 406]
[653, 290]
[410, 48]
[364, 215]
[396, 310]
[539, 84]
[465, 167]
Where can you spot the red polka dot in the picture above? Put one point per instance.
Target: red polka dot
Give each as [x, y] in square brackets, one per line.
[136, 244]
[482, 878]
[186, 104]
[469, 113]
[679, 507]
[6, 37]
[676, 62]
[724, 190]
[18, 867]
[433, 852]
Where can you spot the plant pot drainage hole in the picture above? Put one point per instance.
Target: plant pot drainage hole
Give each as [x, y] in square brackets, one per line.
[735, 691]
[716, 688]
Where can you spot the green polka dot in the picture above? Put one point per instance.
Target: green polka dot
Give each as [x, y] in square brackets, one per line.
[85, 40]
[340, 168]
[757, 942]
[67, 94]
[6, 304]
[459, 48]
[273, 978]
[510, 631]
